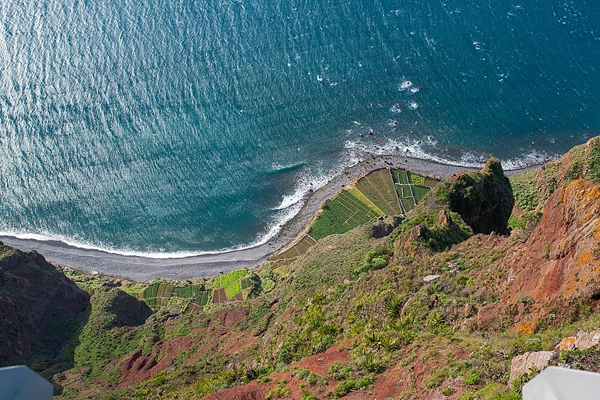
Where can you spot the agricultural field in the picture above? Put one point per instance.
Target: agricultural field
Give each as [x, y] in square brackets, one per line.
[356, 193]
[378, 187]
[382, 192]
[299, 248]
[341, 214]
[411, 187]
[222, 281]
[161, 293]
[237, 285]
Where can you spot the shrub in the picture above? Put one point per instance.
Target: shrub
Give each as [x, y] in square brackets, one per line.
[375, 259]
[448, 391]
[306, 395]
[515, 222]
[278, 392]
[302, 373]
[346, 387]
[312, 378]
[433, 382]
[527, 299]
[472, 378]
[286, 354]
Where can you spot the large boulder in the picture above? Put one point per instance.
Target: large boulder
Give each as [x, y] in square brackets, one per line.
[524, 363]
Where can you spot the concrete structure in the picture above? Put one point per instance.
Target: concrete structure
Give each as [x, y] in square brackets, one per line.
[563, 384]
[21, 383]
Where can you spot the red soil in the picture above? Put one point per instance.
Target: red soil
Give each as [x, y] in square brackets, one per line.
[139, 367]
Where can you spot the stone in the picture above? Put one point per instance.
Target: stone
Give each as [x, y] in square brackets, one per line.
[522, 364]
[430, 278]
[491, 316]
[585, 340]
[443, 219]
[567, 343]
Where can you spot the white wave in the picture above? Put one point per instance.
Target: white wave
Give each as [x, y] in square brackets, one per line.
[290, 200]
[48, 237]
[411, 148]
[405, 85]
[396, 108]
[528, 160]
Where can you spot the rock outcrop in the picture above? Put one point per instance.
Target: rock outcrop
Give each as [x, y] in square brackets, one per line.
[582, 341]
[483, 199]
[524, 363]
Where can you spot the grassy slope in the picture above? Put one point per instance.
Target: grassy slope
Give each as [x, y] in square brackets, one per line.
[346, 290]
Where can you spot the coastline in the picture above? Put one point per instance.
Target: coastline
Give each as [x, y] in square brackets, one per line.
[140, 268]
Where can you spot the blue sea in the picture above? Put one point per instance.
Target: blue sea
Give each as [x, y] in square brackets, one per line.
[170, 128]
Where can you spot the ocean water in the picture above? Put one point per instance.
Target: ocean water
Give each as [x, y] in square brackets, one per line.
[179, 127]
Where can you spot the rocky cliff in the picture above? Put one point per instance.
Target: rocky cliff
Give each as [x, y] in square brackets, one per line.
[39, 306]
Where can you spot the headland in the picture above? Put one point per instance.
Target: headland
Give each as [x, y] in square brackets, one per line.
[208, 265]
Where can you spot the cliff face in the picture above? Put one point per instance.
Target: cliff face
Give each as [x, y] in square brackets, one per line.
[37, 307]
[561, 258]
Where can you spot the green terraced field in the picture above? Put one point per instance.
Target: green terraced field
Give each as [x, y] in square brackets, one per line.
[378, 187]
[411, 187]
[225, 280]
[400, 176]
[419, 192]
[203, 298]
[158, 293]
[233, 289]
[356, 193]
[416, 179]
[151, 291]
[246, 283]
[391, 192]
[341, 214]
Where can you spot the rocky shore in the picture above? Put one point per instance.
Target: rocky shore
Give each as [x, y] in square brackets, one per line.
[209, 265]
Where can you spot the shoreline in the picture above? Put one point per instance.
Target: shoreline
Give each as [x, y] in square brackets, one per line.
[139, 268]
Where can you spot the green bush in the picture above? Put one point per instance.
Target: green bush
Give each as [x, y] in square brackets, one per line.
[448, 391]
[346, 387]
[375, 259]
[302, 373]
[278, 392]
[472, 378]
[312, 378]
[306, 395]
[515, 222]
